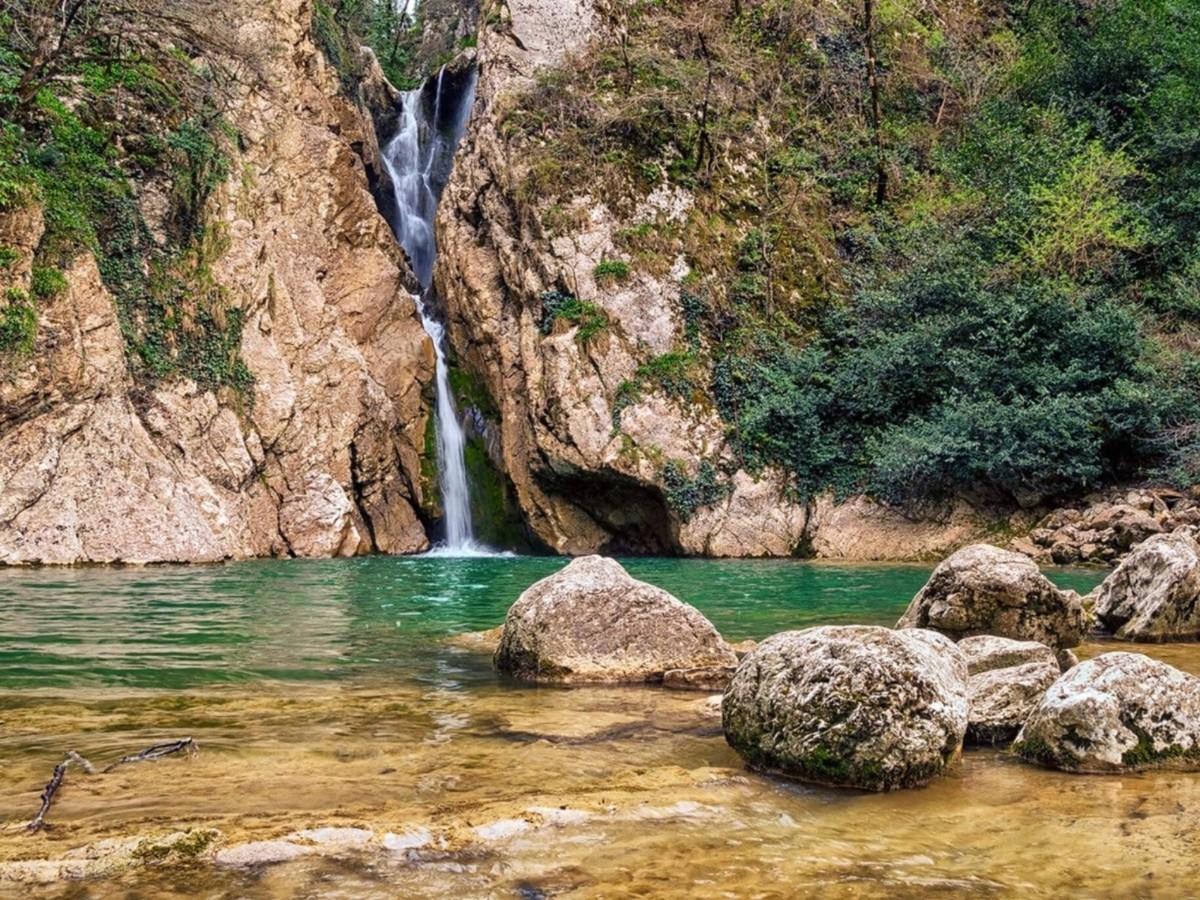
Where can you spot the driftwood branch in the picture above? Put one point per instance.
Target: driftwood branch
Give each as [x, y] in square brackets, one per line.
[60, 772]
[157, 751]
[72, 758]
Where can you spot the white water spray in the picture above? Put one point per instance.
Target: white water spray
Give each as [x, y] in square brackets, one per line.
[418, 159]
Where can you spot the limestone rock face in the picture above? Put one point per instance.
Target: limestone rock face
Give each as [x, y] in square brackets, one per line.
[1154, 595]
[592, 622]
[587, 472]
[1117, 712]
[985, 590]
[325, 458]
[1007, 680]
[857, 706]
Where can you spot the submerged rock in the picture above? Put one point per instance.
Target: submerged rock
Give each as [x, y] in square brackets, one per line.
[1117, 712]
[1007, 680]
[985, 590]
[857, 706]
[592, 622]
[705, 678]
[1155, 594]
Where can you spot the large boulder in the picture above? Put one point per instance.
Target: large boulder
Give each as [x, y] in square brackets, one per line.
[1115, 713]
[1007, 680]
[856, 706]
[592, 622]
[985, 590]
[1155, 594]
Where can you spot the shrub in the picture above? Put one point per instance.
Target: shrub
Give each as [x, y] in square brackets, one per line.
[18, 322]
[47, 283]
[611, 270]
[588, 319]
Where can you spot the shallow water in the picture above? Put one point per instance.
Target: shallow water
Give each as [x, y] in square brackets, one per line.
[324, 694]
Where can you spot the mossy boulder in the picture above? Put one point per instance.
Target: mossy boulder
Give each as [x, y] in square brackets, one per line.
[1154, 595]
[1118, 712]
[982, 589]
[854, 706]
[593, 622]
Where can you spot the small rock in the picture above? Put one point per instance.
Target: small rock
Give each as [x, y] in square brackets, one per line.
[1066, 660]
[1008, 678]
[1118, 712]
[705, 678]
[985, 590]
[986, 652]
[856, 706]
[260, 853]
[1002, 699]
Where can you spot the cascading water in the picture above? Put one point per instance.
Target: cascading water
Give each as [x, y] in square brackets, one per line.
[418, 159]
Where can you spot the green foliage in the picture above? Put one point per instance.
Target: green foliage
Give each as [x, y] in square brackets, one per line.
[47, 283]
[18, 322]
[340, 26]
[1022, 313]
[588, 319]
[676, 373]
[686, 494]
[8, 256]
[611, 270]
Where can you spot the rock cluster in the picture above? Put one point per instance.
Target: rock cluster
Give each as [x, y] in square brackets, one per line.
[592, 622]
[1106, 530]
[985, 590]
[855, 706]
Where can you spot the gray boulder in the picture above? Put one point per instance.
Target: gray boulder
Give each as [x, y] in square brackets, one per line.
[592, 622]
[1115, 713]
[985, 590]
[1007, 680]
[856, 706]
[1154, 595]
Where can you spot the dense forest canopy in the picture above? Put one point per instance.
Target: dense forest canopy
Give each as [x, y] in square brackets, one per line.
[935, 246]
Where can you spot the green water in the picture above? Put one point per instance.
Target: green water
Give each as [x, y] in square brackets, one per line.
[183, 627]
[323, 695]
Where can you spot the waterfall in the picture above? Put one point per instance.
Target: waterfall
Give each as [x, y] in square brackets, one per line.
[418, 159]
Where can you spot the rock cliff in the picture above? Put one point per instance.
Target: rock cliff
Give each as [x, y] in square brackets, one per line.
[600, 457]
[322, 456]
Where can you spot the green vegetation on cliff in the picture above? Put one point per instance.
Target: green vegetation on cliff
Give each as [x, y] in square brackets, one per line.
[103, 105]
[934, 247]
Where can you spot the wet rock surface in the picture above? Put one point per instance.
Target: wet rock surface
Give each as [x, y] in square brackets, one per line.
[982, 589]
[854, 706]
[1154, 595]
[1117, 712]
[593, 622]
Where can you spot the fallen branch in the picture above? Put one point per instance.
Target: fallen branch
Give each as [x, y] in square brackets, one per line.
[73, 757]
[157, 751]
[60, 772]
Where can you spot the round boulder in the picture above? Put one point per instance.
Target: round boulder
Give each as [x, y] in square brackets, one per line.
[592, 622]
[854, 706]
[1154, 595]
[1115, 713]
[1007, 680]
[982, 589]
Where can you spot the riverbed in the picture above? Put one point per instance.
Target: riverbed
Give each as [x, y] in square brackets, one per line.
[340, 723]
